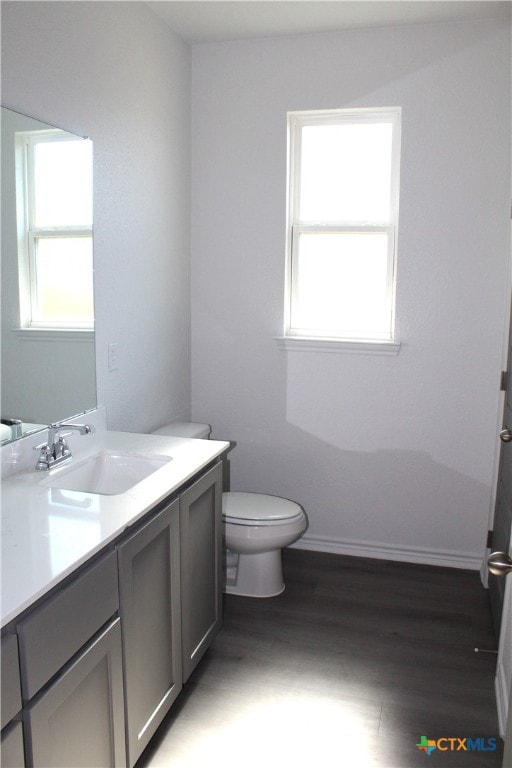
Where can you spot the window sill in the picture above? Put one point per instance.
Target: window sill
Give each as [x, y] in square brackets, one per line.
[54, 334]
[341, 346]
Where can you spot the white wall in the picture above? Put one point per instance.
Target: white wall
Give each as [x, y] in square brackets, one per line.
[114, 72]
[390, 456]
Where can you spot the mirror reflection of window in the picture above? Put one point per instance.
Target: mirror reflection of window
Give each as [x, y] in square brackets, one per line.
[54, 210]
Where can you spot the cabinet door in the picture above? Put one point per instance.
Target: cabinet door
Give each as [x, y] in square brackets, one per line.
[79, 720]
[10, 677]
[12, 754]
[201, 566]
[149, 583]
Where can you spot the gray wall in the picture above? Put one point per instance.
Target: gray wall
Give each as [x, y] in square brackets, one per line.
[114, 72]
[390, 456]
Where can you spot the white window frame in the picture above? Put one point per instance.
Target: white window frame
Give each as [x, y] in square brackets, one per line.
[337, 339]
[28, 233]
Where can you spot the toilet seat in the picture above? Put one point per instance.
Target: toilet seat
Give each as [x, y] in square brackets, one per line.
[258, 509]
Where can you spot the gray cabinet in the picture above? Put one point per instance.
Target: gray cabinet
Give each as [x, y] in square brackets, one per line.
[201, 566]
[90, 671]
[11, 688]
[58, 628]
[78, 720]
[149, 584]
[12, 752]
[71, 673]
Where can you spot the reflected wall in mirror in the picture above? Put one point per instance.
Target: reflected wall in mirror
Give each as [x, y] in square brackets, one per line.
[47, 374]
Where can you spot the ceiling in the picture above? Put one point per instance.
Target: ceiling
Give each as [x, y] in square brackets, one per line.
[201, 21]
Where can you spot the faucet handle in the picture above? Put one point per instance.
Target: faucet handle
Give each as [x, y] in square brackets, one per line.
[41, 446]
[45, 456]
[61, 449]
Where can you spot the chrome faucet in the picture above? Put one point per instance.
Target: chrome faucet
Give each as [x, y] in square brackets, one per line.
[56, 450]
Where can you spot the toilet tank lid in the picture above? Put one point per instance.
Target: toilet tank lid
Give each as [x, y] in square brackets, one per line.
[184, 429]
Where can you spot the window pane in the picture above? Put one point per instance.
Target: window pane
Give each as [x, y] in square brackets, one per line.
[341, 284]
[346, 173]
[63, 183]
[64, 279]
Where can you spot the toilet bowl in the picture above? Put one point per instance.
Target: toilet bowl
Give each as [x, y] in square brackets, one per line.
[256, 528]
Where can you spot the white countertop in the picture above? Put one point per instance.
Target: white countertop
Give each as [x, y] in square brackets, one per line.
[47, 532]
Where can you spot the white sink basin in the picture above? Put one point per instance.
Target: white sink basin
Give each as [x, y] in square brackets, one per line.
[107, 472]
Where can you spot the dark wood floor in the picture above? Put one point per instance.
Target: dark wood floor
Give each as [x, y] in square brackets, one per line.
[350, 666]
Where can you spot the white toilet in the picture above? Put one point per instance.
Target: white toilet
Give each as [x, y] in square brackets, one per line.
[256, 528]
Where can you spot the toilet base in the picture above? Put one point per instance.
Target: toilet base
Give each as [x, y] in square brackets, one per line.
[254, 575]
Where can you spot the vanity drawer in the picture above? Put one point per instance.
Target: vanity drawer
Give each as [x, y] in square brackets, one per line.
[11, 691]
[60, 626]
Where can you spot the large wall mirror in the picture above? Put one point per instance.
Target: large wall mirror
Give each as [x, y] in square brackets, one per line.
[47, 372]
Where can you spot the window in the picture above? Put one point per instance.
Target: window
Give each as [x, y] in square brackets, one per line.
[54, 211]
[342, 224]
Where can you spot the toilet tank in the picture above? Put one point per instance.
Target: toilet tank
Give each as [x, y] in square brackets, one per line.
[184, 429]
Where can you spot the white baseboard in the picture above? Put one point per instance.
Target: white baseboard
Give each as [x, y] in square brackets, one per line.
[469, 560]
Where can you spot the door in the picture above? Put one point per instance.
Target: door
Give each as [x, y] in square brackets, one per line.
[500, 588]
[507, 754]
[501, 566]
[503, 510]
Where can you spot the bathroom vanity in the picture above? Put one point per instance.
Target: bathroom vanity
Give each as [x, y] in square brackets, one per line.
[109, 601]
